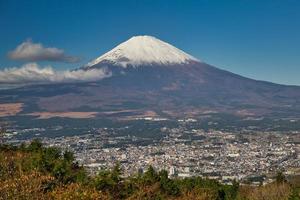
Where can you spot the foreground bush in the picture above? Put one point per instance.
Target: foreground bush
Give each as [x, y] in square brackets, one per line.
[77, 191]
[25, 186]
[274, 191]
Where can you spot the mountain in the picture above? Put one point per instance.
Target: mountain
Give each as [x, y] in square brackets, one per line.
[153, 78]
[141, 51]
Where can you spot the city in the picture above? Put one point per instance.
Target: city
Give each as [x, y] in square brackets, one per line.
[250, 157]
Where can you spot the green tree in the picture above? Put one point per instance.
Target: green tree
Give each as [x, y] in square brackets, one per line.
[109, 180]
[167, 185]
[295, 194]
[221, 194]
[234, 189]
[49, 157]
[68, 156]
[61, 171]
[116, 173]
[2, 132]
[150, 176]
[280, 178]
[35, 145]
[102, 180]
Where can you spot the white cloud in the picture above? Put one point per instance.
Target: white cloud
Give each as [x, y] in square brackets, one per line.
[32, 73]
[29, 51]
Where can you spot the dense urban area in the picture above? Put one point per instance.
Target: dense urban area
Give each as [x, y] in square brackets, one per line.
[247, 156]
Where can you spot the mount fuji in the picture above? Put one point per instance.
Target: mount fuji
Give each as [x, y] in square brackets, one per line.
[150, 77]
[143, 50]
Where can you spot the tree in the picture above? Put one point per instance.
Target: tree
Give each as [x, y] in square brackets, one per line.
[1, 136]
[49, 157]
[109, 180]
[295, 195]
[166, 184]
[234, 189]
[221, 194]
[280, 178]
[68, 156]
[2, 132]
[116, 173]
[35, 145]
[150, 176]
[61, 171]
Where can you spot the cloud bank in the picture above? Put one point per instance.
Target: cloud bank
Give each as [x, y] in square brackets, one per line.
[32, 73]
[33, 52]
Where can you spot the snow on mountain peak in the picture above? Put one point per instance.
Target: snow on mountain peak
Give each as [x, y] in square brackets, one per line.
[141, 50]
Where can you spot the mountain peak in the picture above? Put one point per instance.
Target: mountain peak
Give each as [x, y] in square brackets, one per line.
[144, 50]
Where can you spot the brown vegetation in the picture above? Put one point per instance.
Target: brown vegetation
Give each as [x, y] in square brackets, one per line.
[273, 191]
[10, 109]
[77, 115]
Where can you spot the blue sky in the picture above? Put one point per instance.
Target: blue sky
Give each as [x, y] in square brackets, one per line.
[257, 39]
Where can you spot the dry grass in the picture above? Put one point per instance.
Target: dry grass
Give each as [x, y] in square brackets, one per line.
[77, 115]
[200, 194]
[146, 193]
[76, 191]
[16, 183]
[26, 186]
[10, 109]
[32, 186]
[272, 191]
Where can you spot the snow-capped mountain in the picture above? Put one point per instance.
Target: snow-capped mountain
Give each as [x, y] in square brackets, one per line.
[151, 77]
[144, 50]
